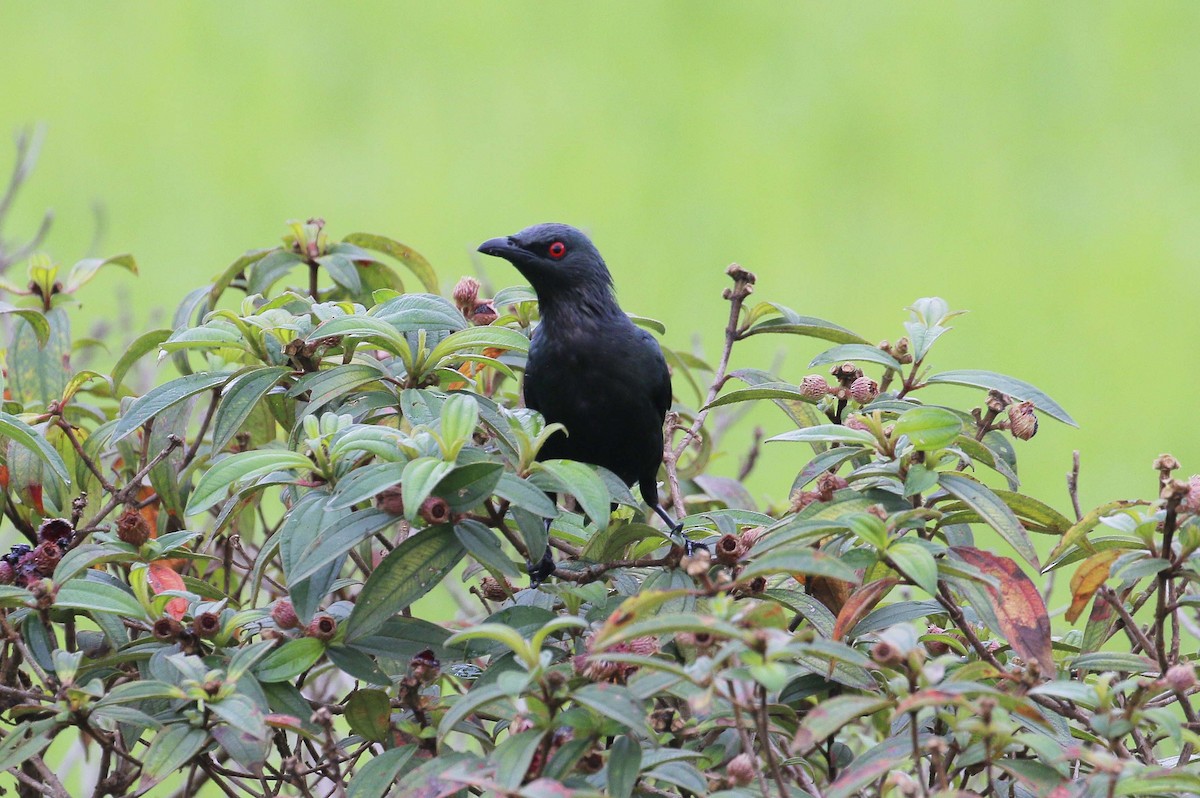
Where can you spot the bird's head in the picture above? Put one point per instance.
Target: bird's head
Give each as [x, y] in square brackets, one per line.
[558, 261]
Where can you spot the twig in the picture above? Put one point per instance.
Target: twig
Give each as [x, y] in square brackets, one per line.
[1073, 485]
[126, 493]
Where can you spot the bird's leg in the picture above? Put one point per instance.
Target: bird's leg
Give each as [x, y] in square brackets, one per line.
[675, 530]
[543, 570]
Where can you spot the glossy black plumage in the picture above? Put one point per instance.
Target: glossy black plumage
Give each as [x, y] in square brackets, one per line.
[590, 368]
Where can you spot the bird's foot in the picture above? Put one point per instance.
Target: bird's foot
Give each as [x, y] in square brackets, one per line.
[540, 572]
[690, 547]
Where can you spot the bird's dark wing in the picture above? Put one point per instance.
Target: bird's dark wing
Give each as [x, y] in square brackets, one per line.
[660, 383]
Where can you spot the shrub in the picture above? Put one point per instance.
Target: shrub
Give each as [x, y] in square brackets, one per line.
[219, 581]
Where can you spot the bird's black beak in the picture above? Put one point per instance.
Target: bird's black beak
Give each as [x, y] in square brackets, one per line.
[503, 247]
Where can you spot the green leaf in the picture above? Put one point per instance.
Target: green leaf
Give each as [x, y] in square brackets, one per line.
[1017, 389]
[289, 660]
[513, 756]
[791, 322]
[21, 743]
[236, 269]
[624, 765]
[799, 561]
[325, 386]
[408, 572]
[1113, 661]
[480, 542]
[366, 483]
[343, 272]
[83, 271]
[521, 494]
[24, 435]
[167, 395]
[929, 428]
[83, 557]
[460, 414]
[31, 316]
[1078, 532]
[238, 400]
[856, 352]
[832, 714]
[419, 479]
[827, 433]
[489, 337]
[992, 510]
[468, 485]
[614, 702]
[337, 542]
[369, 714]
[919, 480]
[579, 480]
[170, 750]
[256, 463]
[768, 390]
[94, 596]
[378, 775]
[37, 372]
[406, 255]
[917, 563]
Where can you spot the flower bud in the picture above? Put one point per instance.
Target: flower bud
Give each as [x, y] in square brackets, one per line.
[1022, 421]
[742, 769]
[284, 615]
[7, 573]
[207, 625]
[864, 390]
[390, 500]
[1165, 462]
[1181, 677]
[435, 510]
[132, 527]
[322, 627]
[465, 294]
[828, 484]
[1191, 502]
[814, 386]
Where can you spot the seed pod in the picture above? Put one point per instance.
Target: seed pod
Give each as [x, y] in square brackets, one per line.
[1181, 677]
[322, 627]
[729, 549]
[167, 630]
[435, 510]
[54, 529]
[132, 527]
[207, 625]
[466, 293]
[1022, 421]
[45, 557]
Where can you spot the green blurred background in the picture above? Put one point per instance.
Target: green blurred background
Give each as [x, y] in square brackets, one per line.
[1034, 163]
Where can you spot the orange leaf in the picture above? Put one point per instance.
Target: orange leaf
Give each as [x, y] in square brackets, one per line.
[1018, 606]
[1087, 579]
[861, 602]
[163, 578]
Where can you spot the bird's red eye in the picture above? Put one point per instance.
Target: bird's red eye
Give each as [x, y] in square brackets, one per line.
[557, 250]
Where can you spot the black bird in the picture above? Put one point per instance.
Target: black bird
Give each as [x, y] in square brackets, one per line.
[589, 368]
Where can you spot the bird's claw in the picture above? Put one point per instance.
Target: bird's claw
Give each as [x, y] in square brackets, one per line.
[690, 547]
[541, 571]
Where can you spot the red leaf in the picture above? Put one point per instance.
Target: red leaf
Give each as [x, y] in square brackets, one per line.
[163, 578]
[1018, 606]
[861, 602]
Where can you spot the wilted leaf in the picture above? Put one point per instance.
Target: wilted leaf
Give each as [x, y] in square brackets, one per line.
[1087, 579]
[1017, 605]
[861, 602]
